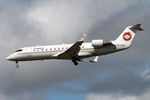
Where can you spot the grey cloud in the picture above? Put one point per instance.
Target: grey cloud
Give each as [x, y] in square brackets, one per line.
[144, 96]
[49, 22]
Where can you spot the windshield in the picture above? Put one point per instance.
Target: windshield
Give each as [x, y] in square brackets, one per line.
[19, 50]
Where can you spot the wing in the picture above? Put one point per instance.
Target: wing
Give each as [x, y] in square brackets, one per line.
[73, 50]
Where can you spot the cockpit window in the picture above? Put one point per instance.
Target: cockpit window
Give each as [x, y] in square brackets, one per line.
[19, 50]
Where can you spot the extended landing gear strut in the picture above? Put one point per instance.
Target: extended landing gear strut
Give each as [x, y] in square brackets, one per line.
[74, 60]
[17, 65]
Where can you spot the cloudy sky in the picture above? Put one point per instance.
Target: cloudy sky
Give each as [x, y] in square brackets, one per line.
[121, 76]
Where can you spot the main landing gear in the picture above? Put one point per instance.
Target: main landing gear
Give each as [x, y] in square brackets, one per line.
[17, 65]
[74, 60]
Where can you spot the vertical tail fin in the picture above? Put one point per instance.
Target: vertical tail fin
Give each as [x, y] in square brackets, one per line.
[128, 34]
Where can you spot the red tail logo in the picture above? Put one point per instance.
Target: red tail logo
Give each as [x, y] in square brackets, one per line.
[127, 36]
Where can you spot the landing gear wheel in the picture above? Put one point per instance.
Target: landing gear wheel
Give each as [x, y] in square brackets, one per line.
[76, 63]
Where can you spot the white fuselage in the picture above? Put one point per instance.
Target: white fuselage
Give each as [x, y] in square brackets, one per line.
[51, 51]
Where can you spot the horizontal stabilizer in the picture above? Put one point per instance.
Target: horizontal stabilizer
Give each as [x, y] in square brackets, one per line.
[136, 28]
[90, 61]
[95, 60]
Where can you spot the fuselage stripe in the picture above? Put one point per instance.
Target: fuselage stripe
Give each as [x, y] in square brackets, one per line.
[51, 51]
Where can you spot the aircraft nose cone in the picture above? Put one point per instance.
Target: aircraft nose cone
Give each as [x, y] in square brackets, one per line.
[8, 58]
[11, 58]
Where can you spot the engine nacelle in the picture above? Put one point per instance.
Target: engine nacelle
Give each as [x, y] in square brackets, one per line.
[97, 43]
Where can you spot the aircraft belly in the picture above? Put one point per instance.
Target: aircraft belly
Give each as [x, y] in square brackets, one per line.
[42, 56]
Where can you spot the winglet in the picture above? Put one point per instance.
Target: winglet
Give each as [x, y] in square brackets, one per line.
[83, 37]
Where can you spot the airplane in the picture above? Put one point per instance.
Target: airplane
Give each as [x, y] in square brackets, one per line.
[78, 51]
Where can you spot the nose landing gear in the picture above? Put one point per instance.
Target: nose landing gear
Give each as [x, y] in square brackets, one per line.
[17, 65]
